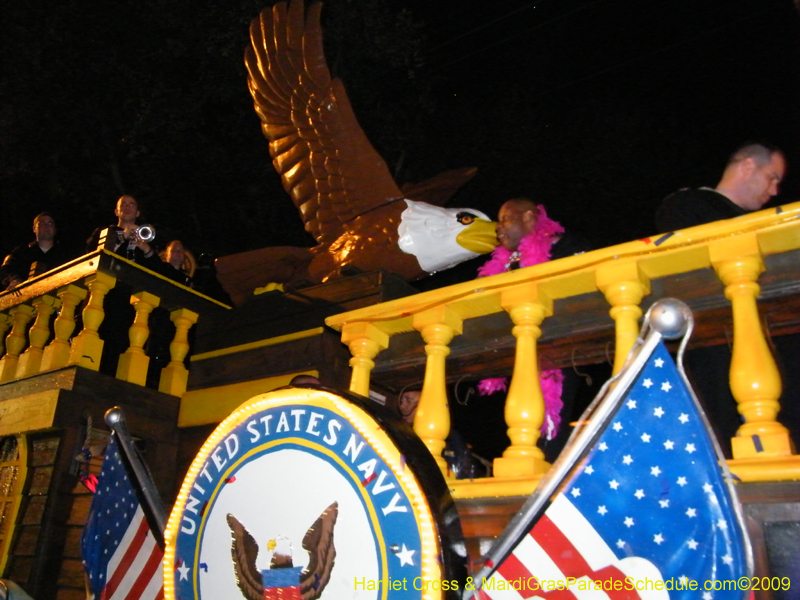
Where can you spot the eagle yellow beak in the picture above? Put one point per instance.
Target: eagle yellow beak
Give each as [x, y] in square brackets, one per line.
[480, 236]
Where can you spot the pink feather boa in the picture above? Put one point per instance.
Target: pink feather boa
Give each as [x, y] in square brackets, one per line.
[534, 249]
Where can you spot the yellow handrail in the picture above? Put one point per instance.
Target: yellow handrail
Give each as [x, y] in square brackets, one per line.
[737, 250]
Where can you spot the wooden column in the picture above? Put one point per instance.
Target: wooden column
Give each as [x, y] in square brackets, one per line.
[5, 324]
[524, 410]
[87, 347]
[56, 355]
[21, 315]
[175, 376]
[432, 421]
[624, 287]
[30, 362]
[133, 362]
[754, 378]
[365, 341]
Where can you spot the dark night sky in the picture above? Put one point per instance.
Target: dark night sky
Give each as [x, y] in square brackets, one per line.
[613, 104]
[598, 108]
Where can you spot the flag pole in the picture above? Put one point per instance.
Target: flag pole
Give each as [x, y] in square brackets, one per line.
[668, 318]
[115, 419]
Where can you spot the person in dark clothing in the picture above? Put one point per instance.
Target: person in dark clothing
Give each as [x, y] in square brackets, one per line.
[751, 178]
[45, 251]
[124, 240]
[460, 460]
[162, 329]
[119, 313]
[174, 259]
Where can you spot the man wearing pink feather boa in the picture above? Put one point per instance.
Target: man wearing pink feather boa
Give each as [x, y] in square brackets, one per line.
[529, 237]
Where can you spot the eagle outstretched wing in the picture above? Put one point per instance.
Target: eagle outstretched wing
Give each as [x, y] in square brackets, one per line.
[244, 550]
[318, 542]
[325, 160]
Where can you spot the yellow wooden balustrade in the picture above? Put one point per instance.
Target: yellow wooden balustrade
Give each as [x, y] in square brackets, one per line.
[624, 287]
[5, 325]
[629, 277]
[89, 278]
[56, 354]
[21, 315]
[524, 410]
[364, 342]
[175, 375]
[31, 360]
[432, 420]
[755, 380]
[87, 347]
[133, 363]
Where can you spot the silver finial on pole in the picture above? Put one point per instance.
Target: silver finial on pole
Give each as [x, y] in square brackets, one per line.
[114, 416]
[670, 318]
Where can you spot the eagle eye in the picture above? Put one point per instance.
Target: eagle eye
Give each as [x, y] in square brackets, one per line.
[465, 218]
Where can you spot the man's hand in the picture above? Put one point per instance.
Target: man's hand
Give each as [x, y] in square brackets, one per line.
[130, 234]
[13, 283]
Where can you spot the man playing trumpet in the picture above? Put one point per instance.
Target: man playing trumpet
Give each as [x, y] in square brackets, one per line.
[124, 238]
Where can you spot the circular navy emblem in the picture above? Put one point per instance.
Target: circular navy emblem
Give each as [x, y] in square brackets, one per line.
[302, 494]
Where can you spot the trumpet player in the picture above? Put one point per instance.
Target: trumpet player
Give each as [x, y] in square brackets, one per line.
[127, 242]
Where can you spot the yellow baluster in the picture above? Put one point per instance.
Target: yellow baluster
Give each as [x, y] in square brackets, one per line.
[624, 287]
[21, 315]
[754, 378]
[365, 341]
[133, 362]
[31, 360]
[5, 324]
[56, 355]
[432, 420]
[524, 410]
[87, 347]
[175, 376]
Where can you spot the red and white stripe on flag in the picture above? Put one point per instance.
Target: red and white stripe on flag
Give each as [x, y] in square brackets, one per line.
[135, 569]
[562, 558]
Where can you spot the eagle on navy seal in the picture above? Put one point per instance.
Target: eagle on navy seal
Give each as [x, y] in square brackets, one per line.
[343, 189]
[318, 542]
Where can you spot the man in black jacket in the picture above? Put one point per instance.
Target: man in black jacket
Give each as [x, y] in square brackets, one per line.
[751, 178]
[123, 236]
[119, 313]
[45, 251]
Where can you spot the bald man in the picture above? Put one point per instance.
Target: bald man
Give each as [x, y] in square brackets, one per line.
[750, 180]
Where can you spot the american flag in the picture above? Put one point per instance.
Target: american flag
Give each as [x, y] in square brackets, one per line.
[647, 501]
[120, 554]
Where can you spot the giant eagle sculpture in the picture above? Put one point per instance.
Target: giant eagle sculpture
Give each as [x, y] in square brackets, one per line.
[341, 186]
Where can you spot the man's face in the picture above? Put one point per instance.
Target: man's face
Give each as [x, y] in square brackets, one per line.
[44, 228]
[513, 223]
[175, 254]
[127, 209]
[407, 404]
[761, 183]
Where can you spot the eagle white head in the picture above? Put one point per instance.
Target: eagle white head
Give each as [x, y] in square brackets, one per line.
[281, 548]
[441, 238]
